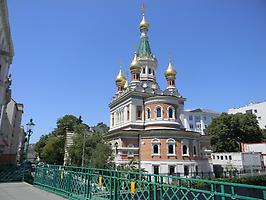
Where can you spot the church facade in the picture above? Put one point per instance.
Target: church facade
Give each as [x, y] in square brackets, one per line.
[146, 121]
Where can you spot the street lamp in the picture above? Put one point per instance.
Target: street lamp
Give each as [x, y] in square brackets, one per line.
[30, 126]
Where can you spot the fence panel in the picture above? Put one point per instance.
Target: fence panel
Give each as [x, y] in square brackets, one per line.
[87, 183]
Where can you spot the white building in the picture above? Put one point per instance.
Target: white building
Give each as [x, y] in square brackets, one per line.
[11, 133]
[258, 109]
[198, 119]
[241, 161]
[6, 55]
[256, 147]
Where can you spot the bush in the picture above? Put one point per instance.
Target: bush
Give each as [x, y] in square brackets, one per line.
[250, 180]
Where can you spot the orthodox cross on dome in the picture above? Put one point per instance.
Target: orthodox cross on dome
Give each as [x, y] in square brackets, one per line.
[144, 46]
[143, 8]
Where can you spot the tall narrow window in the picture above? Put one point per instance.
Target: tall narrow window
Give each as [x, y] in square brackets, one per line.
[148, 113]
[185, 150]
[149, 70]
[186, 170]
[170, 113]
[194, 150]
[155, 149]
[171, 170]
[156, 169]
[158, 112]
[171, 146]
[139, 111]
[143, 70]
[113, 119]
[128, 112]
[170, 149]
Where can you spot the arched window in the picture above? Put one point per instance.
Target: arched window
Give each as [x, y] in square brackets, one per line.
[170, 149]
[158, 112]
[156, 149]
[171, 146]
[185, 150]
[170, 113]
[148, 113]
[155, 146]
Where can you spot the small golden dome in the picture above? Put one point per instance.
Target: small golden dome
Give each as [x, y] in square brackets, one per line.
[120, 79]
[170, 71]
[135, 65]
[143, 24]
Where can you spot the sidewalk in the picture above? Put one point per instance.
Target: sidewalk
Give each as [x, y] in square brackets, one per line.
[24, 191]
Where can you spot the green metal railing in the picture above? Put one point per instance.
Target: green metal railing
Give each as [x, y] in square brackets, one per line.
[14, 173]
[89, 183]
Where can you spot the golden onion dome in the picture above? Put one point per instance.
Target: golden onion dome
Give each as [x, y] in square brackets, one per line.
[135, 65]
[120, 79]
[170, 71]
[143, 24]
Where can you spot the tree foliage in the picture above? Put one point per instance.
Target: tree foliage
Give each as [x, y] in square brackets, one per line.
[131, 166]
[51, 148]
[97, 153]
[229, 130]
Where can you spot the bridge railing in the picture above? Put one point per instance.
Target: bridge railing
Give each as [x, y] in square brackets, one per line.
[90, 183]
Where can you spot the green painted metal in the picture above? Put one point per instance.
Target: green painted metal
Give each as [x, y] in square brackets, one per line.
[15, 173]
[78, 183]
[144, 47]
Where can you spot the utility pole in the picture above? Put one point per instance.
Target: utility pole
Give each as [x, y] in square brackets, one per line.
[83, 148]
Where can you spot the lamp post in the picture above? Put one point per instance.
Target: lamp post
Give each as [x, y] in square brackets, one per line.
[30, 126]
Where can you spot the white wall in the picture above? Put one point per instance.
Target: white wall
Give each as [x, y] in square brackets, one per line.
[204, 119]
[239, 160]
[258, 109]
[256, 147]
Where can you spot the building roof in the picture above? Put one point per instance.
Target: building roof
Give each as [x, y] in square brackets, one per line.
[249, 104]
[202, 110]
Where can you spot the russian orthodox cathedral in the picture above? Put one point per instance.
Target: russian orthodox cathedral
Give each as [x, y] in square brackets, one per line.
[146, 121]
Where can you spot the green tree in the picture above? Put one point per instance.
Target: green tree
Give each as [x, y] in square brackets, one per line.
[131, 166]
[229, 130]
[97, 152]
[50, 148]
[264, 134]
[38, 147]
[53, 151]
[100, 128]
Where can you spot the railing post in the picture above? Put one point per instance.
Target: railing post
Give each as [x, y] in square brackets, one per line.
[161, 187]
[35, 172]
[116, 186]
[68, 184]
[89, 183]
[213, 191]
[223, 192]
[149, 187]
[54, 178]
[154, 188]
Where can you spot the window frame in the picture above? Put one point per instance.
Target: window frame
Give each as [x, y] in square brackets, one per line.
[157, 142]
[161, 112]
[171, 142]
[173, 112]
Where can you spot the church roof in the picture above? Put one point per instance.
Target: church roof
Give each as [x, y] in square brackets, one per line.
[144, 47]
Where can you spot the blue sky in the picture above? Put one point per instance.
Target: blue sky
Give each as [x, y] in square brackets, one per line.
[67, 53]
